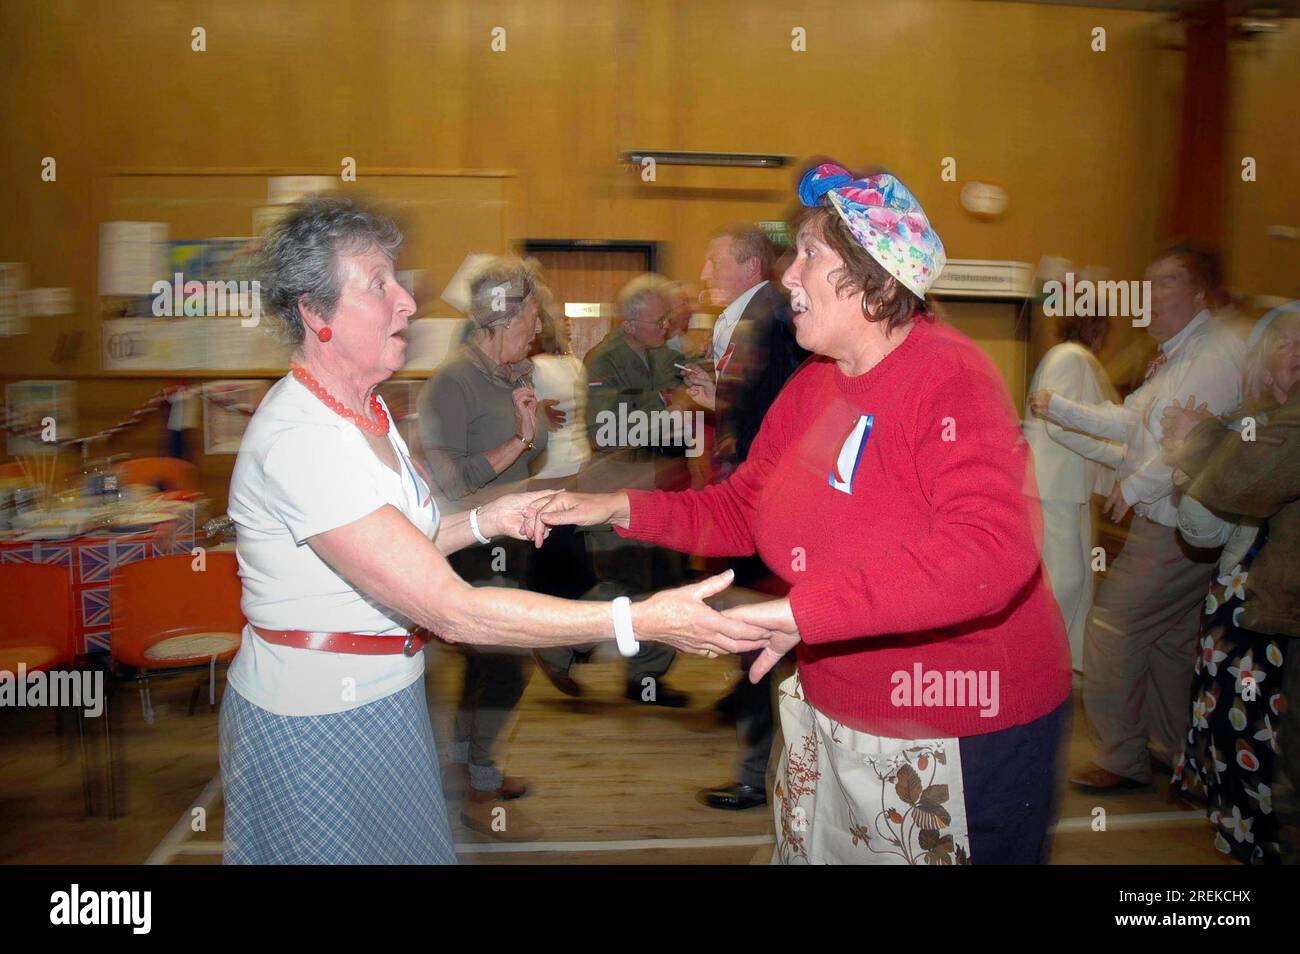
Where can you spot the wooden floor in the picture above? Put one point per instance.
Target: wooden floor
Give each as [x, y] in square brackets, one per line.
[612, 782]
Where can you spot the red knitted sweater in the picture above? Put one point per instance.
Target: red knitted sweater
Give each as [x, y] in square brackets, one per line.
[913, 551]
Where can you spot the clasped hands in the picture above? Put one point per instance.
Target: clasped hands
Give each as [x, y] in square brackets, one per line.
[677, 617]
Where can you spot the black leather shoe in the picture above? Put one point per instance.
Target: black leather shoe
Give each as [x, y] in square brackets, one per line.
[559, 678]
[735, 797]
[663, 695]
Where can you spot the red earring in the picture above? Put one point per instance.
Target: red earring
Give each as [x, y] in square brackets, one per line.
[325, 334]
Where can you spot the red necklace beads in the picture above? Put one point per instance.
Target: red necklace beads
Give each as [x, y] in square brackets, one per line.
[379, 426]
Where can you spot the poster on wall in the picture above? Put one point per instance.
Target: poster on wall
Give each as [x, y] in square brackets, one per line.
[132, 256]
[34, 409]
[227, 406]
[13, 282]
[283, 190]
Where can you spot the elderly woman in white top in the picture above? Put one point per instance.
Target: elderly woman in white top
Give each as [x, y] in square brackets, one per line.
[326, 750]
[1072, 466]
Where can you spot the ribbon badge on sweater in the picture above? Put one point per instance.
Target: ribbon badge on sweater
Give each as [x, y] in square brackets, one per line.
[850, 456]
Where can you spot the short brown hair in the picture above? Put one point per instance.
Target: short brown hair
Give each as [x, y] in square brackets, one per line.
[1088, 330]
[1201, 263]
[749, 241]
[884, 298]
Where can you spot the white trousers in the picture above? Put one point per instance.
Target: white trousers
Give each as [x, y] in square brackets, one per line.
[1067, 554]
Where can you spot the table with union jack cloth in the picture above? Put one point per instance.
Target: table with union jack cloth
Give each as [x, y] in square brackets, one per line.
[90, 561]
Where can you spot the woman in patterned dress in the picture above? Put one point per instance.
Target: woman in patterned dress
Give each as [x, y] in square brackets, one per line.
[1238, 695]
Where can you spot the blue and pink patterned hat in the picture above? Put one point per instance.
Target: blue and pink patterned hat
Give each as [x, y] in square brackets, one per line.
[884, 217]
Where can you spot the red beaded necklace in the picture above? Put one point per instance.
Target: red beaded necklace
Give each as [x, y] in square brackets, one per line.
[379, 426]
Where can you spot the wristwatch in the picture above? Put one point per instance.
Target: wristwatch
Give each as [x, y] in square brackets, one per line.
[528, 445]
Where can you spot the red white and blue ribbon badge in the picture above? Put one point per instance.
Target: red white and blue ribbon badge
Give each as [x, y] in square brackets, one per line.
[850, 455]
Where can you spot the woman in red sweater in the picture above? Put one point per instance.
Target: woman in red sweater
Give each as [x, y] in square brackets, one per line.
[890, 487]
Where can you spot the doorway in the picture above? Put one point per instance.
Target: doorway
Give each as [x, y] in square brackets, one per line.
[586, 277]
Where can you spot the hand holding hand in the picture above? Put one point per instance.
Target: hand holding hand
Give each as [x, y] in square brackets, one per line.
[563, 508]
[680, 618]
[777, 618]
[509, 516]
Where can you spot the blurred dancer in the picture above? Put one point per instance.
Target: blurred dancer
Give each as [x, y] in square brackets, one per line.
[480, 428]
[1071, 467]
[1141, 633]
[629, 373]
[1245, 494]
[563, 566]
[753, 354]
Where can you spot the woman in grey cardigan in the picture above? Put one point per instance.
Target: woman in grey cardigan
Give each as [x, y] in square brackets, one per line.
[480, 428]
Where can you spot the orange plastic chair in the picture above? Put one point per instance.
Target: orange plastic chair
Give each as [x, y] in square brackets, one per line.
[166, 473]
[170, 616]
[36, 629]
[37, 632]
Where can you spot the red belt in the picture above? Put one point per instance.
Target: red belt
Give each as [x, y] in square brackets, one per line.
[408, 644]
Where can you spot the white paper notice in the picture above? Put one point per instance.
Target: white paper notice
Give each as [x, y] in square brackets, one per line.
[131, 257]
[456, 293]
[282, 190]
[430, 340]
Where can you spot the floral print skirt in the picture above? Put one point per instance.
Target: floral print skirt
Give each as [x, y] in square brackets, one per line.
[1232, 744]
[847, 797]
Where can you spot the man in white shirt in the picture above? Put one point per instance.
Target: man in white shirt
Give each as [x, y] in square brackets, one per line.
[1140, 642]
[754, 353]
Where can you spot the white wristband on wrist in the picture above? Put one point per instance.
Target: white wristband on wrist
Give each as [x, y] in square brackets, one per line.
[473, 526]
[623, 635]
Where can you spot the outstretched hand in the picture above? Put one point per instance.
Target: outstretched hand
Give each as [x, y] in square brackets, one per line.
[777, 618]
[680, 618]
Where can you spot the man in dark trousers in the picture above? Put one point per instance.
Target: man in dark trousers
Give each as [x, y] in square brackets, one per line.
[630, 373]
[753, 353]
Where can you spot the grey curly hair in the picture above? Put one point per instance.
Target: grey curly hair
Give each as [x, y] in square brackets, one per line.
[501, 288]
[300, 261]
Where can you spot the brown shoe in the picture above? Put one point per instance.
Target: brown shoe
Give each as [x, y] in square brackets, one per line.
[511, 788]
[495, 819]
[1098, 780]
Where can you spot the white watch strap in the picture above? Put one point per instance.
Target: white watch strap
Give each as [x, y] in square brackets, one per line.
[623, 635]
[473, 525]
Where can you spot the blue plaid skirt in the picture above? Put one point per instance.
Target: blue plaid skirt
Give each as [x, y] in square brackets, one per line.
[354, 787]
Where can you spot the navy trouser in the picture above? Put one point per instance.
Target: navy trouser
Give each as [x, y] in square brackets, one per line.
[1012, 796]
